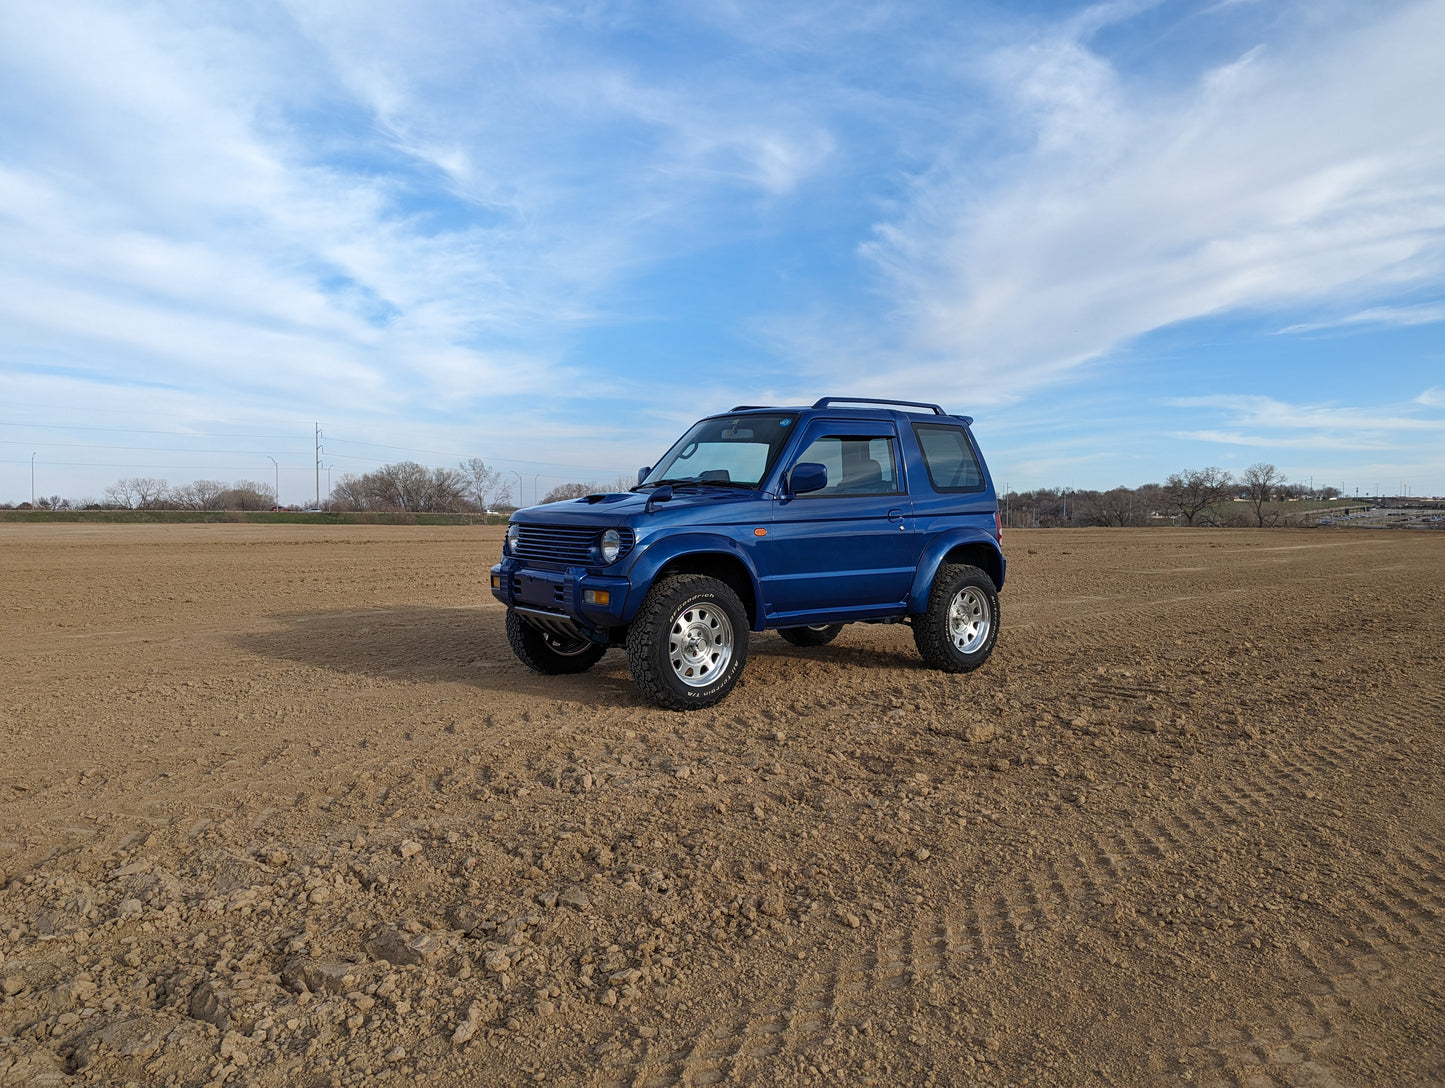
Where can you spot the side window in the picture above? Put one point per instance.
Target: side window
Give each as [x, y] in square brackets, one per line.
[861, 465]
[949, 457]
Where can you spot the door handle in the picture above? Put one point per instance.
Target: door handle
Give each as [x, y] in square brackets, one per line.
[895, 515]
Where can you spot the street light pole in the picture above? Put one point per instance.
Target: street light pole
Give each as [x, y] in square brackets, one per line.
[521, 496]
[277, 497]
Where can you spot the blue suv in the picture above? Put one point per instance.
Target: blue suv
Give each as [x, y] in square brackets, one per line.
[791, 519]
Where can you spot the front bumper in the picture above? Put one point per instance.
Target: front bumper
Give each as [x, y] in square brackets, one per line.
[592, 604]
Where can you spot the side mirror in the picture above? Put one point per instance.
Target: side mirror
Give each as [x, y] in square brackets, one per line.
[642, 473]
[807, 476]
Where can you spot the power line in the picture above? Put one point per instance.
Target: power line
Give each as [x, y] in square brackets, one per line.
[101, 446]
[106, 464]
[136, 430]
[269, 437]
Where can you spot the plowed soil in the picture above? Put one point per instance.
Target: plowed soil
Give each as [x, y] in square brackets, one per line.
[279, 807]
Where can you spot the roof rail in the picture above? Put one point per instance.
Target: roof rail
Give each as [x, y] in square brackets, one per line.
[828, 402]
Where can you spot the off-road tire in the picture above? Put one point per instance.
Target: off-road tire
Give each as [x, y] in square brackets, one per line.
[957, 631]
[811, 636]
[549, 653]
[688, 642]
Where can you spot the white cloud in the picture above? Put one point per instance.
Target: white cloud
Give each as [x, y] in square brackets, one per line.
[1345, 440]
[1378, 316]
[1307, 172]
[1257, 411]
[1433, 397]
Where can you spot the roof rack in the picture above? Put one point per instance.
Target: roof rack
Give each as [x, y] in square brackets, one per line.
[828, 402]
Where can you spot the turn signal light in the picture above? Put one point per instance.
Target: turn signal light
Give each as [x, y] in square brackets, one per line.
[596, 596]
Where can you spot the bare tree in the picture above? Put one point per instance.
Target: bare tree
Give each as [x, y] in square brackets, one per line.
[481, 481]
[348, 494]
[150, 492]
[137, 493]
[247, 495]
[1261, 480]
[1117, 506]
[121, 494]
[199, 495]
[1194, 491]
[563, 492]
[403, 486]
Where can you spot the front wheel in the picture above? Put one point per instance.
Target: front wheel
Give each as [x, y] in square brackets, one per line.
[958, 630]
[549, 653]
[819, 635]
[688, 642]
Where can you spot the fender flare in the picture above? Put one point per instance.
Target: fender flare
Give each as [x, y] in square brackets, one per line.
[932, 559]
[642, 573]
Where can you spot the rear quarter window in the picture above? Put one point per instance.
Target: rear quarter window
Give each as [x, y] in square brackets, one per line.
[949, 457]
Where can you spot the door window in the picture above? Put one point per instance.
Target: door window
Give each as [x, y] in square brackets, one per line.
[857, 465]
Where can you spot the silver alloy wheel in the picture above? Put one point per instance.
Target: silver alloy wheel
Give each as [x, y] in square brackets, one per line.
[969, 620]
[700, 644]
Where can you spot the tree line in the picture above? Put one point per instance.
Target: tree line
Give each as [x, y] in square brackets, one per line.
[1207, 496]
[1203, 496]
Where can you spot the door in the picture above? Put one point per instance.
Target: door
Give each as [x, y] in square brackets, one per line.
[849, 547]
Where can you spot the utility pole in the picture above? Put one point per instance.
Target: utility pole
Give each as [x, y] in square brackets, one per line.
[276, 498]
[32, 481]
[318, 464]
[521, 495]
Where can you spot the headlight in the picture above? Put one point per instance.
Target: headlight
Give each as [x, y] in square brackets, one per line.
[610, 546]
[513, 532]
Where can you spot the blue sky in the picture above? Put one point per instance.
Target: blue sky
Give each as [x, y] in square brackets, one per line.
[1128, 237]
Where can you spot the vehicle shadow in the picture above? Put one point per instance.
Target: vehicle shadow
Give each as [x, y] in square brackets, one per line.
[469, 646]
[449, 645]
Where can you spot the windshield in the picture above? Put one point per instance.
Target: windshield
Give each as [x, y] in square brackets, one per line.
[732, 451]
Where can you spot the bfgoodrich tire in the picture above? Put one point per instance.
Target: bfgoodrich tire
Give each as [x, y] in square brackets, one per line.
[958, 630]
[549, 653]
[811, 636]
[688, 642]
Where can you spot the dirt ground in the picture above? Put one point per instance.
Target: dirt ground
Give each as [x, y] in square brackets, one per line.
[278, 807]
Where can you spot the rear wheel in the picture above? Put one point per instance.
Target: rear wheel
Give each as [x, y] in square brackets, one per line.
[688, 642]
[819, 635]
[958, 630]
[549, 653]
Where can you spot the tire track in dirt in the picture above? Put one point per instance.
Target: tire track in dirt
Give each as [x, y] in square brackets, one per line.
[1397, 909]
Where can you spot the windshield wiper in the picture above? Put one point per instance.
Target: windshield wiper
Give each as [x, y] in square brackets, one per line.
[693, 481]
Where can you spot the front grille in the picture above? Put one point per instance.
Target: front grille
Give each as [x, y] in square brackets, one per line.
[565, 543]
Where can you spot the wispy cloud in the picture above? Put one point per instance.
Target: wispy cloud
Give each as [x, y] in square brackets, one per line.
[1378, 316]
[1257, 411]
[205, 215]
[1349, 440]
[1299, 174]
